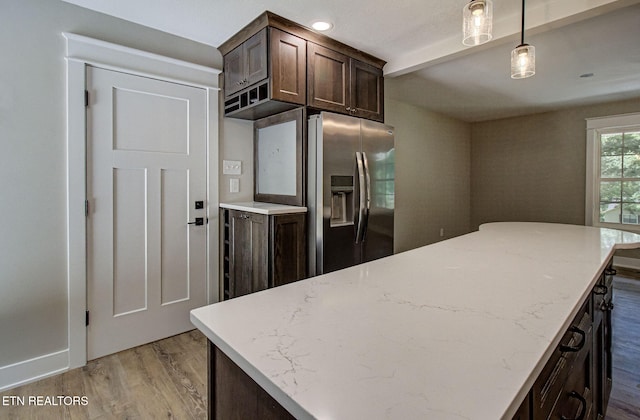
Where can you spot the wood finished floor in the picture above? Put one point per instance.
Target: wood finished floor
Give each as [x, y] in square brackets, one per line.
[167, 378]
[624, 403]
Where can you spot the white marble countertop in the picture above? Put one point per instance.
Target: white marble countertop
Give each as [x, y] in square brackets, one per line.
[263, 208]
[455, 330]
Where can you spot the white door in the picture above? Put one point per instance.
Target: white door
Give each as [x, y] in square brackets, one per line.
[146, 168]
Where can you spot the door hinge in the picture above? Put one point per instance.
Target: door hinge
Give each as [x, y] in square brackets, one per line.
[86, 318]
[86, 208]
[86, 98]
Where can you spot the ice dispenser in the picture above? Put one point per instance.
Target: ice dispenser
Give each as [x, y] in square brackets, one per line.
[341, 200]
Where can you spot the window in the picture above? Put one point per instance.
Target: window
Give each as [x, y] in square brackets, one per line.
[613, 172]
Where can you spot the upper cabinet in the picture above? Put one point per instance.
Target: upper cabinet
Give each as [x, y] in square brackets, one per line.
[274, 65]
[339, 83]
[265, 75]
[246, 64]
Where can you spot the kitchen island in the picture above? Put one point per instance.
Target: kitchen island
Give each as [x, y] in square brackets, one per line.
[458, 329]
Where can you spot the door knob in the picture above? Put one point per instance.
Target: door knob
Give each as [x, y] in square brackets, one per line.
[198, 222]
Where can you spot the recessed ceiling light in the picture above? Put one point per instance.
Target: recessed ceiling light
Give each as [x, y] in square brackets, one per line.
[585, 75]
[321, 25]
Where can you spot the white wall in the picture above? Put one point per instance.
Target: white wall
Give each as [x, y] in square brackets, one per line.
[236, 143]
[433, 161]
[33, 272]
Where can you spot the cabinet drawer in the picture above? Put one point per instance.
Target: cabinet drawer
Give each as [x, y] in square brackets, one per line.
[576, 399]
[575, 343]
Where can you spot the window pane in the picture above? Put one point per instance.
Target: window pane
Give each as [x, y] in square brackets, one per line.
[610, 212]
[630, 213]
[631, 166]
[632, 143]
[611, 144]
[610, 191]
[611, 166]
[631, 191]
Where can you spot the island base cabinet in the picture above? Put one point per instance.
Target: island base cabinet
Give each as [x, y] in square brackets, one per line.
[576, 381]
[233, 395]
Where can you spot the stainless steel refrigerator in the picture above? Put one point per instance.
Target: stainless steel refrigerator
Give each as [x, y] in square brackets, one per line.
[350, 191]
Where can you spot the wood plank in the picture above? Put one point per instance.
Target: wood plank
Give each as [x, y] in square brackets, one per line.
[624, 403]
[164, 379]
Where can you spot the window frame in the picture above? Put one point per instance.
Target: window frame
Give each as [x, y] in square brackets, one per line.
[595, 128]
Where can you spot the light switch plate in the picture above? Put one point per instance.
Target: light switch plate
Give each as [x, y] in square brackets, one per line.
[231, 167]
[234, 185]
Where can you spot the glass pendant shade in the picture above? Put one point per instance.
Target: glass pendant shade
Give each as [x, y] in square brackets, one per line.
[523, 61]
[477, 22]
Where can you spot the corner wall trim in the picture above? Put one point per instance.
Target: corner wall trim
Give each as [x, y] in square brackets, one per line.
[31, 370]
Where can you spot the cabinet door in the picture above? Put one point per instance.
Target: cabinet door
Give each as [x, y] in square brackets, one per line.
[288, 67]
[288, 248]
[249, 253]
[327, 79]
[367, 91]
[255, 58]
[233, 71]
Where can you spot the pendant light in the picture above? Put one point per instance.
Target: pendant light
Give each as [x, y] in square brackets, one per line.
[523, 57]
[477, 22]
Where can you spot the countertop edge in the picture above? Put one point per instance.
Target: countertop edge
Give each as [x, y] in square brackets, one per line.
[281, 397]
[263, 208]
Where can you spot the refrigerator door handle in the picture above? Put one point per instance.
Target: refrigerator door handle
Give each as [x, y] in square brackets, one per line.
[362, 197]
[367, 177]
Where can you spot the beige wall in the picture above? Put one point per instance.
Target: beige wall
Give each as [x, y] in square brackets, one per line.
[532, 168]
[33, 272]
[432, 175]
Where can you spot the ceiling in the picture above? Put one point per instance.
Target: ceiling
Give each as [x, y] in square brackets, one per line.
[427, 65]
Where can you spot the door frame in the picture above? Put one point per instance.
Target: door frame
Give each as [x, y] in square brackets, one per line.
[81, 52]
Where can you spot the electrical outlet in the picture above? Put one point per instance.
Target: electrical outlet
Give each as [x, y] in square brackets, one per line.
[231, 167]
[234, 185]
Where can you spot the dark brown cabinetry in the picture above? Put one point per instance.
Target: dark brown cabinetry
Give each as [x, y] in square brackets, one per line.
[265, 75]
[339, 83]
[273, 64]
[602, 306]
[249, 259]
[261, 251]
[234, 395]
[246, 64]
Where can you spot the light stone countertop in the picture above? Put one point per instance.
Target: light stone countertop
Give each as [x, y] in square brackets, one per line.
[263, 208]
[455, 330]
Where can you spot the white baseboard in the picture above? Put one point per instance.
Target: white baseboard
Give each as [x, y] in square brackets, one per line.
[31, 370]
[625, 262]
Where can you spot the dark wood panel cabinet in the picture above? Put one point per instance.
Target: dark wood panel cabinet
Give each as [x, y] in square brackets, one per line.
[246, 64]
[337, 82]
[287, 248]
[288, 67]
[265, 75]
[602, 341]
[274, 63]
[249, 259]
[234, 395]
[261, 251]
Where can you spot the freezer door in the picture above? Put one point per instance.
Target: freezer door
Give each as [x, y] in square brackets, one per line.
[379, 154]
[340, 143]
